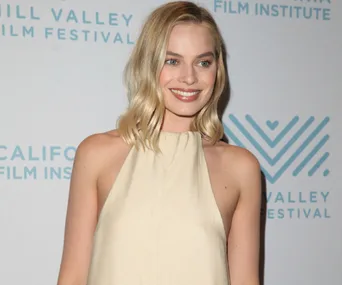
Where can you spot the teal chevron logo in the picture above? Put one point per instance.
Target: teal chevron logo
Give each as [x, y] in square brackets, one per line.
[288, 154]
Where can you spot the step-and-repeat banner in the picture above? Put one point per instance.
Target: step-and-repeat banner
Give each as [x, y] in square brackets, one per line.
[61, 66]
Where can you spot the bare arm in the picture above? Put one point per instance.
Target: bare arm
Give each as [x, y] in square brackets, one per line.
[81, 216]
[244, 236]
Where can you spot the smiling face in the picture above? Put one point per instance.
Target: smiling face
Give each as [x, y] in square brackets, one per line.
[188, 76]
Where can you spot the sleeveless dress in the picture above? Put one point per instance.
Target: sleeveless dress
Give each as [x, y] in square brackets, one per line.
[160, 224]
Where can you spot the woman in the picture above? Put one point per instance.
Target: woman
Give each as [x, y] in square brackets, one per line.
[161, 200]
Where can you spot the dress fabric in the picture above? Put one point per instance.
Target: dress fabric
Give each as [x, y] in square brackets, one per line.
[160, 224]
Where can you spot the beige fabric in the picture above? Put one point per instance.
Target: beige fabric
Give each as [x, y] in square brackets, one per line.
[160, 224]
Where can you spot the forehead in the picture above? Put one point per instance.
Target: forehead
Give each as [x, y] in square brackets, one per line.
[190, 39]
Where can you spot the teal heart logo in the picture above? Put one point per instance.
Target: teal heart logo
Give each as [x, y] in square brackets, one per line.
[282, 159]
[272, 125]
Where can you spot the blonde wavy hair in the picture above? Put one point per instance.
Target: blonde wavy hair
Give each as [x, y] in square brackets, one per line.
[141, 124]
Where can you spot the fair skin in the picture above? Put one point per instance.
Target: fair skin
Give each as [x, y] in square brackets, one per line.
[234, 172]
[189, 66]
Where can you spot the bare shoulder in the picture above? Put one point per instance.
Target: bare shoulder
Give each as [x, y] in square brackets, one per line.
[241, 157]
[101, 142]
[100, 146]
[241, 162]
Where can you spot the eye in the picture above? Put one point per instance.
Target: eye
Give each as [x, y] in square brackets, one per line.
[171, 61]
[205, 63]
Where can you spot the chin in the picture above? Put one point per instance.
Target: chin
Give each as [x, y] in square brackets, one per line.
[184, 109]
[187, 113]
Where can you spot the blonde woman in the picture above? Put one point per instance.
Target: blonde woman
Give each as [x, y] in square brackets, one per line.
[162, 200]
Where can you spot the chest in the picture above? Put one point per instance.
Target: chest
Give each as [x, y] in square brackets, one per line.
[220, 184]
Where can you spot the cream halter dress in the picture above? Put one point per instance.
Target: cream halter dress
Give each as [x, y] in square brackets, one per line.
[160, 224]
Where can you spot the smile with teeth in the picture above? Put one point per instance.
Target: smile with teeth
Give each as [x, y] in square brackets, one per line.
[185, 93]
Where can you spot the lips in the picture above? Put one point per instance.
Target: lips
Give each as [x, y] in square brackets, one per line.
[185, 95]
[185, 92]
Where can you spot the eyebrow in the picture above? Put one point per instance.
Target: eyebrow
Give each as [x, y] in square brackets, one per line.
[209, 53]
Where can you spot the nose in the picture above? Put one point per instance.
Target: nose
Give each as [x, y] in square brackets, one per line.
[188, 75]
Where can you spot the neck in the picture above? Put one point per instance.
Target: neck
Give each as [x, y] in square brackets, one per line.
[176, 124]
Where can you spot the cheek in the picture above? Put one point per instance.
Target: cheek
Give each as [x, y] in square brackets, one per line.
[209, 78]
[165, 77]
